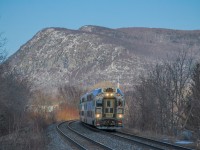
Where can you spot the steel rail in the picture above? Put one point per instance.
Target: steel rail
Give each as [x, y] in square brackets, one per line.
[68, 138]
[126, 139]
[89, 139]
[140, 140]
[155, 141]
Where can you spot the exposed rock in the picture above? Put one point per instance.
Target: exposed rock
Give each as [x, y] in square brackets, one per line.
[55, 56]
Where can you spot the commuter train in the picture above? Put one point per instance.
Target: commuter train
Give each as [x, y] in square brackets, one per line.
[103, 108]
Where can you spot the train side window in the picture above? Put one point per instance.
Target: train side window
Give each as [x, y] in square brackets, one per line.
[120, 103]
[85, 106]
[111, 110]
[90, 97]
[83, 99]
[99, 103]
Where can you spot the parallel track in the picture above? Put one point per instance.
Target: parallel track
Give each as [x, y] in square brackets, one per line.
[79, 140]
[153, 144]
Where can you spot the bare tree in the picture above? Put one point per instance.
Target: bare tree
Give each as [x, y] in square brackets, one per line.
[180, 72]
[71, 95]
[193, 107]
[162, 95]
[14, 94]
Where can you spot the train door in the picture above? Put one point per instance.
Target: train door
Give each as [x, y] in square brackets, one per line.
[109, 108]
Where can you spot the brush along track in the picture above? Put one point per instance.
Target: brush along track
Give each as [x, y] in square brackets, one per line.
[78, 139]
[152, 144]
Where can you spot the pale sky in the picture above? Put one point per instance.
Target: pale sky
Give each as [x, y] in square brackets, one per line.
[20, 20]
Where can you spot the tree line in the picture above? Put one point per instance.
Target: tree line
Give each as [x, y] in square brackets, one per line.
[14, 120]
[167, 99]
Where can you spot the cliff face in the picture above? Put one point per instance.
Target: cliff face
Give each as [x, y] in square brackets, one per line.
[91, 54]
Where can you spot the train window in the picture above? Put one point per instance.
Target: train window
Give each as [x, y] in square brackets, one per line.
[88, 113]
[85, 106]
[111, 110]
[108, 104]
[99, 103]
[120, 103]
[88, 97]
[83, 99]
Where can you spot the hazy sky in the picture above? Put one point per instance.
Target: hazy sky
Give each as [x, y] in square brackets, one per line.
[21, 19]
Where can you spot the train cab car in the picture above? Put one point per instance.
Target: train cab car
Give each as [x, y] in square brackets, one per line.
[103, 108]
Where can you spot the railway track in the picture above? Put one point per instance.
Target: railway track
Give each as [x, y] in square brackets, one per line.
[163, 145]
[152, 144]
[79, 140]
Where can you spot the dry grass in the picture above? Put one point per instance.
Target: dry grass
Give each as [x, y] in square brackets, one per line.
[27, 138]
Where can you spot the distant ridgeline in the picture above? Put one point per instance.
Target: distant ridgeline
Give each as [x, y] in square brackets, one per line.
[92, 54]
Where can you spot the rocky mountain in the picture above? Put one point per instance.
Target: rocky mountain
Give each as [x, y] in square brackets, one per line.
[91, 54]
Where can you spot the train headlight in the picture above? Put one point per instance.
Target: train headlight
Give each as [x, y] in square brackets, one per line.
[109, 94]
[98, 115]
[120, 115]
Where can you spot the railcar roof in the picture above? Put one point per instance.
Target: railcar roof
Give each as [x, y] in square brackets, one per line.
[95, 92]
[85, 95]
[99, 90]
[120, 92]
